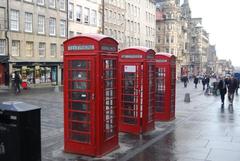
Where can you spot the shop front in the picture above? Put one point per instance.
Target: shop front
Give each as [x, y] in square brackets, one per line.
[4, 76]
[39, 73]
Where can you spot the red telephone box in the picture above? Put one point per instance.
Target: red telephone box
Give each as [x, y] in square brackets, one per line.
[90, 95]
[136, 90]
[165, 86]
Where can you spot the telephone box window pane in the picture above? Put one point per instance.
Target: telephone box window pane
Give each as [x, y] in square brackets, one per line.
[80, 75]
[110, 98]
[82, 127]
[80, 106]
[80, 64]
[160, 86]
[80, 85]
[80, 96]
[79, 116]
[84, 138]
[150, 91]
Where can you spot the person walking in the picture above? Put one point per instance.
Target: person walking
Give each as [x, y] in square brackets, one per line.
[17, 82]
[232, 86]
[195, 81]
[222, 89]
[207, 81]
[238, 81]
[185, 81]
[203, 83]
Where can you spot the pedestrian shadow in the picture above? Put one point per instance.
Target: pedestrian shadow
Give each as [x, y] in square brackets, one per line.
[230, 108]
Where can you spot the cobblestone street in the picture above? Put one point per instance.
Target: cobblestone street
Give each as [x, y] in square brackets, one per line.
[202, 130]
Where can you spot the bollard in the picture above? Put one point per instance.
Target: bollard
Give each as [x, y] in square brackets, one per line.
[187, 97]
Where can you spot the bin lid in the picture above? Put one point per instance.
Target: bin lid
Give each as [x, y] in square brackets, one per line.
[17, 106]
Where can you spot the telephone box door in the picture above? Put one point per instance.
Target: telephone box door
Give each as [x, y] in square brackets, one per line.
[80, 79]
[161, 81]
[148, 124]
[131, 97]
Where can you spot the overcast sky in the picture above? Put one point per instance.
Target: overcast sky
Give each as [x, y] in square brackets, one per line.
[221, 19]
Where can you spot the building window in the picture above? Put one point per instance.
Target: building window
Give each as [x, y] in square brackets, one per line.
[94, 17]
[172, 39]
[15, 48]
[52, 3]
[86, 15]
[79, 14]
[28, 1]
[71, 34]
[53, 48]
[52, 26]
[70, 11]
[29, 48]
[62, 28]
[62, 5]
[28, 22]
[14, 20]
[167, 50]
[42, 49]
[2, 47]
[41, 24]
[40, 2]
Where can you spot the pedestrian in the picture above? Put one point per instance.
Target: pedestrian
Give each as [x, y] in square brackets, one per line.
[207, 81]
[17, 82]
[238, 81]
[195, 81]
[203, 83]
[232, 86]
[222, 89]
[185, 81]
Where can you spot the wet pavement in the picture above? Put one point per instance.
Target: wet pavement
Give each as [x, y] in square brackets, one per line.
[202, 130]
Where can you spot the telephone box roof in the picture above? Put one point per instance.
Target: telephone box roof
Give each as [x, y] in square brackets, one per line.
[166, 55]
[141, 48]
[96, 37]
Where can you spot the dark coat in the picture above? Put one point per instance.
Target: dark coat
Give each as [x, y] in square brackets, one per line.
[223, 90]
[195, 80]
[232, 85]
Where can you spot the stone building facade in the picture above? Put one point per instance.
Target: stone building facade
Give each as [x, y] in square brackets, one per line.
[131, 22]
[211, 60]
[114, 20]
[171, 32]
[35, 34]
[199, 45]
[84, 17]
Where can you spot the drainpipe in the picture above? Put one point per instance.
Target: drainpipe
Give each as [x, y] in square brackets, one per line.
[7, 41]
[103, 8]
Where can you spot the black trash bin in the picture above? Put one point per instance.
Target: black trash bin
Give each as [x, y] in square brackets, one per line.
[20, 133]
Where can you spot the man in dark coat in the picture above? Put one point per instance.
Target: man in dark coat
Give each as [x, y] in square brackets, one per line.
[195, 81]
[17, 82]
[207, 81]
[222, 88]
[203, 83]
[185, 81]
[232, 86]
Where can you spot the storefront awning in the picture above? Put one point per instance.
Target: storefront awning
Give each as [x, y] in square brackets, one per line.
[3, 59]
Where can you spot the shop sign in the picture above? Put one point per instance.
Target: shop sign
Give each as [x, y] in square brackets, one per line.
[108, 48]
[161, 61]
[129, 68]
[132, 56]
[80, 47]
